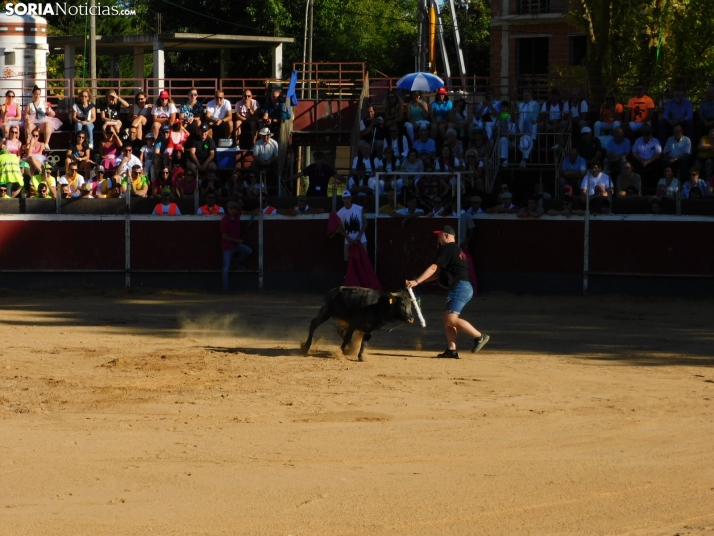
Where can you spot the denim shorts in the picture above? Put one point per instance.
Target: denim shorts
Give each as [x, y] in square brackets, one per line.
[459, 295]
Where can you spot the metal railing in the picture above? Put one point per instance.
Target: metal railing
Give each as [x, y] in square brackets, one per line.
[178, 86]
[234, 88]
[334, 81]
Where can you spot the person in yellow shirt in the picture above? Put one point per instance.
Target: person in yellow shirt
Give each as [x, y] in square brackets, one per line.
[392, 206]
[139, 182]
[705, 154]
[3, 191]
[45, 177]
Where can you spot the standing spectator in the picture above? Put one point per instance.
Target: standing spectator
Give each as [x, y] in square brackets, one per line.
[137, 181]
[191, 112]
[10, 113]
[10, 172]
[589, 147]
[265, 151]
[486, 113]
[552, 117]
[647, 150]
[705, 154]
[353, 223]
[668, 185]
[628, 180]
[417, 115]
[163, 113]
[84, 114]
[640, 109]
[318, 174]
[111, 110]
[617, 150]
[141, 114]
[166, 207]
[694, 188]
[72, 179]
[528, 111]
[574, 167]
[706, 111]
[577, 108]
[425, 145]
[219, 117]
[678, 112]
[398, 142]
[231, 242]
[246, 110]
[610, 115]
[210, 208]
[439, 113]
[202, 153]
[677, 151]
[531, 210]
[595, 177]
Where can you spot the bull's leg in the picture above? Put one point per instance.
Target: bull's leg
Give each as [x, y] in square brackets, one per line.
[365, 339]
[321, 317]
[347, 338]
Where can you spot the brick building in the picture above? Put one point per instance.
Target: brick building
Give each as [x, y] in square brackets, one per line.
[530, 41]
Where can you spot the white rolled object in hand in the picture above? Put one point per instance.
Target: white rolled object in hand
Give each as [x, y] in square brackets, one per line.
[416, 306]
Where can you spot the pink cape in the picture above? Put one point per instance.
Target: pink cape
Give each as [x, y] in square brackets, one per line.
[359, 269]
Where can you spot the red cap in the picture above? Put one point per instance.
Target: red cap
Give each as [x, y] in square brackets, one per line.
[441, 91]
[164, 94]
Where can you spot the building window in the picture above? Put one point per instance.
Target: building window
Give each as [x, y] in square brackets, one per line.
[532, 55]
[9, 58]
[578, 49]
[533, 7]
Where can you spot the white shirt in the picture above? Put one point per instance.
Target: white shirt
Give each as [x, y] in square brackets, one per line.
[580, 109]
[219, 112]
[603, 179]
[133, 161]
[163, 112]
[555, 112]
[367, 164]
[265, 150]
[405, 211]
[352, 221]
[74, 186]
[400, 145]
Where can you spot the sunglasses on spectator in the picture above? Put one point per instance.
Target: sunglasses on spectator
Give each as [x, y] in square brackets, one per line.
[11, 96]
[81, 136]
[3, 190]
[13, 131]
[248, 95]
[193, 94]
[35, 135]
[128, 149]
[73, 170]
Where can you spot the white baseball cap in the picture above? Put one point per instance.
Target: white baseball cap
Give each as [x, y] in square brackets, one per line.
[346, 193]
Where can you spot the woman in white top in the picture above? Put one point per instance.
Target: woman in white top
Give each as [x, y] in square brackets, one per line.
[141, 114]
[163, 113]
[84, 114]
[11, 116]
[669, 184]
[39, 114]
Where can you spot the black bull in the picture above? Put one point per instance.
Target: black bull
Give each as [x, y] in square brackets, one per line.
[361, 309]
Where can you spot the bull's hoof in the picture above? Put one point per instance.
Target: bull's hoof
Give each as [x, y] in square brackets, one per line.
[304, 348]
[360, 358]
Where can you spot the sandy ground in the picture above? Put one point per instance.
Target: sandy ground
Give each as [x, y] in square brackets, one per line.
[188, 414]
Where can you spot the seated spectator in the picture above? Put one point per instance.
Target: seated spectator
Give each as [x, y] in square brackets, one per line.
[439, 113]
[640, 110]
[252, 187]
[417, 115]
[706, 111]
[166, 207]
[412, 164]
[234, 185]
[618, 150]
[371, 128]
[187, 184]
[34, 151]
[528, 113]
[447, 161]
[360, 183]
[694, 188]
[219, 117]
[10, 113]
[202, 153]
[460, 118]
[210, 208]
[574, 167]
[472, 168]
[135, 182]
[532, 210]
[72, 179]
[475, 206]
[594, 178]
[678, 112]
[391, 165]
[85, 192]
[398, 142]
[45, 177]
[668, 185]
[3, 191]
[647, 151]
[628, 179]
[191, 112]
[425, 146]
[110, 111]
[410, 212]
[569, 208]
[677, 151]
[109, 147]
[178, 137]
[39, 114]
[161, 148]
[485, 114]
[78, 152]
[146, 157]
[276, 110]
[12, 143]
[141, 114]
[265, 151]
[126, 161]
[610, 115]
[318, 174]
[246, 112]
[393, 111]
[705, 154]
[553, 117]
[162, 181]
[392, 205]
[231, 242]
[211, 185]
[101, 185]
[437, 208]
[302, 208]
[42, 192]
[163, 113]
[506, 206]
[265, 207]
[84, 114]
[477, 142]
[372, 164]
[577, 108]
[656, 206]
[589, 147]
[599, 202]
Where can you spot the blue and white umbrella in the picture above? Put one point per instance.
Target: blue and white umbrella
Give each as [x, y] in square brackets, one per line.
[426, 82]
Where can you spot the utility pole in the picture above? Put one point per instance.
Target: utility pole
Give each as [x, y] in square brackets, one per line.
[309, 49]
[92, 44]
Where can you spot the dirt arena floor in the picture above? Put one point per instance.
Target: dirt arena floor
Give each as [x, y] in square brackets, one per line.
[192, 414]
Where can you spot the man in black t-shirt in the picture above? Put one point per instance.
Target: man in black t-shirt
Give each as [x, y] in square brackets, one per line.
[452, 270]
[202, 153]
[319, 175]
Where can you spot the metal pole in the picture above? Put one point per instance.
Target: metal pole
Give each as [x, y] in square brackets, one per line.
[586, 240]
[376, 216]
[457, 40]
[127, 239]
[92, 44]
[260, 233]
[304, 48]
[309, 49]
